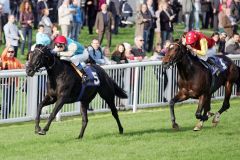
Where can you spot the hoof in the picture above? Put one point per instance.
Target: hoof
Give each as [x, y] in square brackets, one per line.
[196, 129]
[175, 126]
[42, 132]
[216, 119]
[37, 130]
[215, 124]
[121, 131]
[198, 126]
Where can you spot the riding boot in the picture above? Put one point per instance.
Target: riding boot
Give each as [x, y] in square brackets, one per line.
[216, 68]
[84, 74]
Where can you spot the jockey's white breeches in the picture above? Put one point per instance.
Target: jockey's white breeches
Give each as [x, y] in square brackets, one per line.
[76, 59]
[210, 52]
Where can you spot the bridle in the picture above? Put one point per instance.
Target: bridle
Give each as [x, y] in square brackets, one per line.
[178, 58]
[41, 62]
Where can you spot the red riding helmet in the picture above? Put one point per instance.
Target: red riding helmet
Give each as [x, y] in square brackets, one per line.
[191, 37]
[60, 39]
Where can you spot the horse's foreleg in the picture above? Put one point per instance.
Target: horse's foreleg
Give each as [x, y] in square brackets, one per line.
[225, 105]
[178, 98]
[84, 119]
[58, 106]
[46, 101]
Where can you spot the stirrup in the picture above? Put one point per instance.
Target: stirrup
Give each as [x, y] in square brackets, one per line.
[85, 79]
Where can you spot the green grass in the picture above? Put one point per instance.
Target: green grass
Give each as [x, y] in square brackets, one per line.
[148, 136]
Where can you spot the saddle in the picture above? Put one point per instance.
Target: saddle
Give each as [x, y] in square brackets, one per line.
[215, 64]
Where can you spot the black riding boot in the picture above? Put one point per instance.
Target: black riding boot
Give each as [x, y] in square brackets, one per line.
[217, 69]
[85, 77]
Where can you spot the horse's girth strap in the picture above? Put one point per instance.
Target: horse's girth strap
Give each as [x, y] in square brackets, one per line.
[79, 73]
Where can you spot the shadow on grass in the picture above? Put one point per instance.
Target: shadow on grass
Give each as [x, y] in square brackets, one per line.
[151, 131]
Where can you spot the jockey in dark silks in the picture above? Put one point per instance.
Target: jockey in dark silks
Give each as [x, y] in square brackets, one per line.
[70, 50]
[202, 47]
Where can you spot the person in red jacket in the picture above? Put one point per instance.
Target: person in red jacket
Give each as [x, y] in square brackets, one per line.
[203, 47]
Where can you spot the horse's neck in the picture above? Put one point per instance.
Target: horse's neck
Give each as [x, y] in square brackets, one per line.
[186, 69]
[56, 70]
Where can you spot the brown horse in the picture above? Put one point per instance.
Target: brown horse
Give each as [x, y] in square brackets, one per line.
[197, 82]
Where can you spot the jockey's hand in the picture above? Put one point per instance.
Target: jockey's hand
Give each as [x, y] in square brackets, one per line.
[189, 47]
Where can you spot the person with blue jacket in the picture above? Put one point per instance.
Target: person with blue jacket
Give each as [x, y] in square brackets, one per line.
[96, 55]
[77, 20]
[41, 37]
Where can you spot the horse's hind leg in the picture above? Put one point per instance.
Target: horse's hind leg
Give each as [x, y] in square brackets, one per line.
[113, 108]
[46, 101]
[84, 119]
[204, 104]
[225, 105]
[58, 106]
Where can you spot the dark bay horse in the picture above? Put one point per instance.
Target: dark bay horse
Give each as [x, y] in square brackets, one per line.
[64, 86]
[196, 81]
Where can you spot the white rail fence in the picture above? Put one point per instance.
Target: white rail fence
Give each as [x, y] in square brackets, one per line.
[146, 84]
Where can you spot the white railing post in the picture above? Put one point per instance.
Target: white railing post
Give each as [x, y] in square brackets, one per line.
[127, 83]
[135, 92]
[32, 83]
[169, 84]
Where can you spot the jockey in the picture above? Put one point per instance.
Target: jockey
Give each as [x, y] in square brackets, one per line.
[202, 47]
[70, 50]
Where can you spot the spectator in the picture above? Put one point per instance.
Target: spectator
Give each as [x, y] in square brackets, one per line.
[41, 6]
[235, 13]
[215, 6]
[206, 10]
[9, 84]
[225, 21]
[104, 24]
[114, 8]
[65, 17]
[138, 50]
[222, 41]
[126, 11]
[95, 53]
[26, 21]
[12, 34]
[144, 24]
[197, 11]
[119, 54]
[160, 72]
[128, 51]
[2, 22]
[187, 10]
[55, 31]
[46, 22]
[157, 54]
[215, 37]
[91, 12]
[158, 26]
[166, 18]
[77, 20]
[232, 45]
[41, 37]
[150, 38]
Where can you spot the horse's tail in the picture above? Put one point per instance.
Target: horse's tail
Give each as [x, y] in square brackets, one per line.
[119, 91]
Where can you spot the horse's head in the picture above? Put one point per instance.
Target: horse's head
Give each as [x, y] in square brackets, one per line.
[173, 55]
[38, 58]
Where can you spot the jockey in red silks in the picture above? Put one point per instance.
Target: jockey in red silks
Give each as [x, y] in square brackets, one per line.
[203, 47]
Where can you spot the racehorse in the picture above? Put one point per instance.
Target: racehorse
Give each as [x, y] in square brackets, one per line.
[64, 86]
[196, 81]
